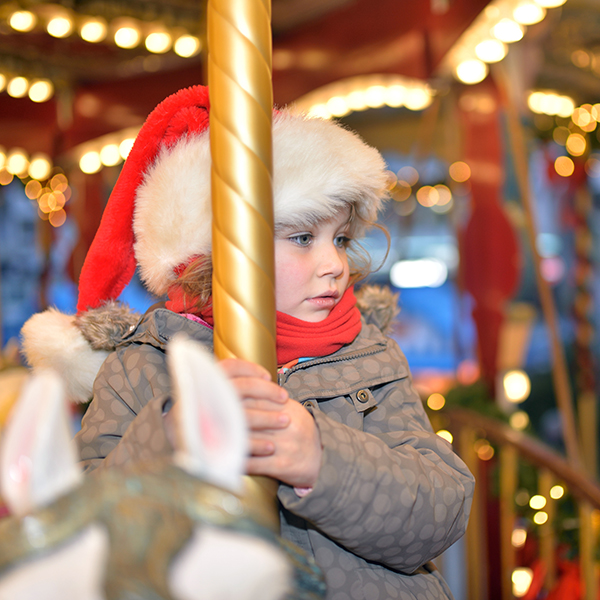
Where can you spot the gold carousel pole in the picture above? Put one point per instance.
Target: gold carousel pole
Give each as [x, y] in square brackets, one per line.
[241, 99]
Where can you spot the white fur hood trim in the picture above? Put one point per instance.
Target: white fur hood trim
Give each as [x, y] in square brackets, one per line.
[52, 340]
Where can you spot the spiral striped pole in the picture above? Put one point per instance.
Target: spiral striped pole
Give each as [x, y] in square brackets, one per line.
[241, 109]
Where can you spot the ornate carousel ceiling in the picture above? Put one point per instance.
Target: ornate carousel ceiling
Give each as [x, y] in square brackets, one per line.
[100, 87]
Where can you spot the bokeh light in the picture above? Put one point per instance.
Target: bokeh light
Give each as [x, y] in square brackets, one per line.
[22, 20]
[564, 166]
[446, 435]
[436, 401]
[521, 581]
[537, 502]
[516, 385]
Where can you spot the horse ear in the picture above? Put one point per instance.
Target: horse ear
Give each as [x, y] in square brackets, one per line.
[38, 458]
[212, 438]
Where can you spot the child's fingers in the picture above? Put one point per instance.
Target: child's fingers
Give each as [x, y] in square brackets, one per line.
[259, 389]
[260, 420]
[261, 448]
[236, 367]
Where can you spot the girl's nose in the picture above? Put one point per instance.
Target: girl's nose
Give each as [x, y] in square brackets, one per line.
[332, 263]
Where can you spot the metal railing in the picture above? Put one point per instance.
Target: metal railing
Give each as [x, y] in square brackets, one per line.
[467, 427]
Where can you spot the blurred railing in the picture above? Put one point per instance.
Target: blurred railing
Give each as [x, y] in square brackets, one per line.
[468, 428]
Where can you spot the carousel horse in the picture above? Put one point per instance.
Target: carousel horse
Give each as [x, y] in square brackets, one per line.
[178, 530]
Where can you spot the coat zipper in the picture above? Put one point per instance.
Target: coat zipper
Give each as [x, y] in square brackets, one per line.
[283, 376]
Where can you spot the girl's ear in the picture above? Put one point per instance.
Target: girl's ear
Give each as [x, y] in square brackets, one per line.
[38, 458]
[212, 438]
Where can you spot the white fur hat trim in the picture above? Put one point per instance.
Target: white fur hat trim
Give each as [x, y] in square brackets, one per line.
[318, 167]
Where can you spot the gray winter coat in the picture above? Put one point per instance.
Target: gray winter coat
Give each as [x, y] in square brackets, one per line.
[391, 495]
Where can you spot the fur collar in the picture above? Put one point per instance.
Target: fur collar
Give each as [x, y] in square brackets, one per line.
[76, 346]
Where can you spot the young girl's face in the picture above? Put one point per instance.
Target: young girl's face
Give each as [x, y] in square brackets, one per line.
[311, 267]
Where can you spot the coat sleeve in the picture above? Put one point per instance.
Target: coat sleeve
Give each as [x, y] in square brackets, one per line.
[125, 419]
[394, 493]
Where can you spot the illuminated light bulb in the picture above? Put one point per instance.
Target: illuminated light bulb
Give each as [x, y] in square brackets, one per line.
[22, 20]
[567, 106]
[516, 386]
[436, 401]
[356, 100]
[537, 502]
[2, 81]
[444, 194]
[127, 36]
[519, 420]
[420, 273]
[58, 217]
[41, 90]
[337, 106]
[320, 111]
[125, 147]
[110, 155]
[445, 435]
[93, 30]
[59, 183]
[551, 104]
[564, 166]
[540, 517]
[471, 71]
[534, 102]
[508, 31]
[417, 98]
[595, 112]
[17, 162]
[40, 166]
[483, 449]
[159, 42]
[459, 171]
[557, 492]
[521, 581]
[59, 200]
[427, 196]
[90, 162]
[60, 26]
[581, 117]
[17, 87]
[576, 144]
[529, 13]
[394, 95]
[408, 174]
[5, 177]
[518, 537]
[491, 51]
[550, 3]
[33, 189]
[2, 156]
[375, 96]
[187, 46]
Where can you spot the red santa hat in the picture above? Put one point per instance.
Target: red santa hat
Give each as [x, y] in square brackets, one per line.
[158, 216]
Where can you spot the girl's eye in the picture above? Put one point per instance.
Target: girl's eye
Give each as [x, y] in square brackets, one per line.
[303, 239]
[342, 241]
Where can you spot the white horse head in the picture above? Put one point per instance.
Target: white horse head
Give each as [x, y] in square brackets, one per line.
[40, 477]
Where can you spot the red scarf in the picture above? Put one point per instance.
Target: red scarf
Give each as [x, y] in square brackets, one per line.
[297, 338]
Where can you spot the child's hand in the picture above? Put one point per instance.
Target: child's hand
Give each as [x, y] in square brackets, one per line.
[284, 440]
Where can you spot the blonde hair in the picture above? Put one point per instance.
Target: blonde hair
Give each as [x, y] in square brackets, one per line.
[195, 280]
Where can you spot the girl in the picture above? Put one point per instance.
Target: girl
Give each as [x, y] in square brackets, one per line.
[366, 487]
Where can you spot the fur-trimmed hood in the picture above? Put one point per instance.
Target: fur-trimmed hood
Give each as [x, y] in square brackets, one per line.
[76, 346]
